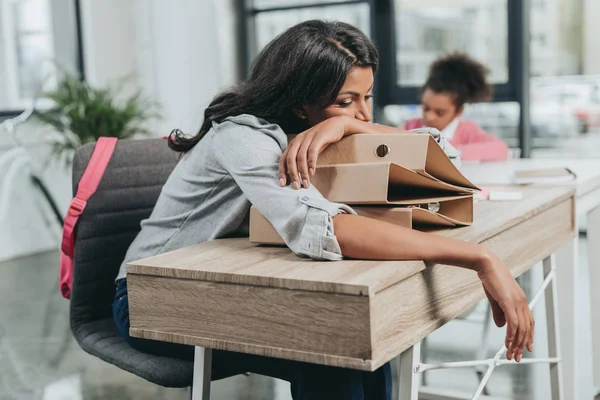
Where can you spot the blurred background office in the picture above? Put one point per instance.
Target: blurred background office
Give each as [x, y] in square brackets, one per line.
[544, 65]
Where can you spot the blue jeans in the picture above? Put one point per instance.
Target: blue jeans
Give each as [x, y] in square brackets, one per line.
[308, 381]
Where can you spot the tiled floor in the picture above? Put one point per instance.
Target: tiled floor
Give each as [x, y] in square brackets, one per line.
[40, 360]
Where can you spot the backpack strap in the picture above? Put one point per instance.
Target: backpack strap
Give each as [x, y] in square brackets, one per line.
[87, 187]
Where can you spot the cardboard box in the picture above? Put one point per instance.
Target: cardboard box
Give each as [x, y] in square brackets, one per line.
[417, 152]
[453, 212]
[405, 179]
[380, 183]
[262, 232]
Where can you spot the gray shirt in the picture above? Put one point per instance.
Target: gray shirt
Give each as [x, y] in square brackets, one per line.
[208, 195]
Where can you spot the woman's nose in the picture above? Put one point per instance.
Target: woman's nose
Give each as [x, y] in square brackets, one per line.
[364, 113]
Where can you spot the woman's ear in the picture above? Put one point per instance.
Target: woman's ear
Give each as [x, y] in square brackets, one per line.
[300, 113]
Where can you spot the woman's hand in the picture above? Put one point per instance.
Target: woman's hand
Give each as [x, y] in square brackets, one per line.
[509, 305]
[299, 160]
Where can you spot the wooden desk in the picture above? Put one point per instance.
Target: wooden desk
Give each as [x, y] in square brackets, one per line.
[576, 354]
[231, 295]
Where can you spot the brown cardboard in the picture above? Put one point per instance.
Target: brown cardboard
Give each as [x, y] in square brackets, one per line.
[417, 152]
[407, 176]
[454, 211]
[380, 183]
[262, 232]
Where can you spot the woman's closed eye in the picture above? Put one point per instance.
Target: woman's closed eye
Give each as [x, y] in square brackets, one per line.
[345, 103]
[348, 102]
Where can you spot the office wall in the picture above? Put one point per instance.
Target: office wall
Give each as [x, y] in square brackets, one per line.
[179, 58]
[186, 54]
[182, 52]
[108, 39]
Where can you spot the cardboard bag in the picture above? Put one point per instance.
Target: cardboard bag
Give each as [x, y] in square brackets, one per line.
[417, 152]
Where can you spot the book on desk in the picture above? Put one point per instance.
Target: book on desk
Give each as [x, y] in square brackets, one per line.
[543, 176]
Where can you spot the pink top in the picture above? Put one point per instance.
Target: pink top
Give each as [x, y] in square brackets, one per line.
[473, 142]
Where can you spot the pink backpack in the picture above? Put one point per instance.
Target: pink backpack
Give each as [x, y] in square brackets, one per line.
[87, 187]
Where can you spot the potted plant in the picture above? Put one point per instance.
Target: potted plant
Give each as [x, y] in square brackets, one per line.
[81, 114]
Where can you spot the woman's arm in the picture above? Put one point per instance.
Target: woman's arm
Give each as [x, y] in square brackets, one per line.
[379, 240]
[314, 227]
[365, 238]
[299, 160]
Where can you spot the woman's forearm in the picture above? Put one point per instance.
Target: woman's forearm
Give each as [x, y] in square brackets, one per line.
[361, 237]
[366, 238]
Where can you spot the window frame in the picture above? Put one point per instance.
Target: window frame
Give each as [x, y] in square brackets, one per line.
[383, 33]
[248, 18]
[390, 92]
[516, 89]
[79, 61]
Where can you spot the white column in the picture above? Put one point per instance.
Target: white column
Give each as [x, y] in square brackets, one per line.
[593, 235]
[567, 277]
[554, 340]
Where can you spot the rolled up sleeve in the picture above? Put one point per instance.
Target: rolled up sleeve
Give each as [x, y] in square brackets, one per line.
[317, 238]
[303, 218]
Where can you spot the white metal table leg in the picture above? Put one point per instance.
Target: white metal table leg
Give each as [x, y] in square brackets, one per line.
[408, 379]
[202, 369]
[567, 277]
[593, 236]
[552, 320]
[549, 284]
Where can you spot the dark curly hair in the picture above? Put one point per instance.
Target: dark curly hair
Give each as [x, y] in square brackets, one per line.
[461, 76]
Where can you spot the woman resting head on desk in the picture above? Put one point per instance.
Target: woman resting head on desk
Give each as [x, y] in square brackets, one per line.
[453, 81]
[315, 80]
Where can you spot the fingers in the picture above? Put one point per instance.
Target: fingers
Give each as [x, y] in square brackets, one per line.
[294, 161]
[283, 168]
[497, 311]
[512, 321]
[522, 336]
[532, 324]
[529, 324]
[290, 162]
[302, 158]
[313, 154]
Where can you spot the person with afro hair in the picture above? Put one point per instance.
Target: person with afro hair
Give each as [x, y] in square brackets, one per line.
[454, 80]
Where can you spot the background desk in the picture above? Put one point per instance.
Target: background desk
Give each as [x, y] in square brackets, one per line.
[231, 295]
[587, 187]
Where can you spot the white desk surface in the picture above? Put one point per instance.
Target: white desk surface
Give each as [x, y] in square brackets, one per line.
[500, 173]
